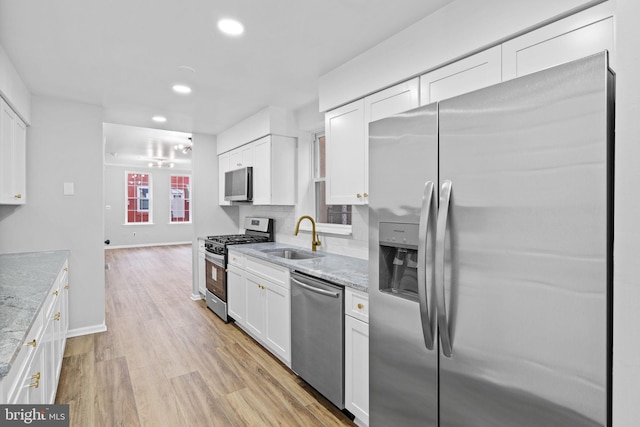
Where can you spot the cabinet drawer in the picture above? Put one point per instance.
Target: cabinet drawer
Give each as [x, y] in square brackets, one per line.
[356, 304]
[13, 381]
[236, 259]
[267, 270]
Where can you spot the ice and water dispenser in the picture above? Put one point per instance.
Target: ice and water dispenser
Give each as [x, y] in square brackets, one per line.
[399, 259]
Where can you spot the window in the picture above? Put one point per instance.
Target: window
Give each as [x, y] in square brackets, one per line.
[180, 199]
[138, 204]
[325, 214]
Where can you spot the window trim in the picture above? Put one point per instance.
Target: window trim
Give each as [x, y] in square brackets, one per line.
[171, 188]
[322, 227]
[138, 208]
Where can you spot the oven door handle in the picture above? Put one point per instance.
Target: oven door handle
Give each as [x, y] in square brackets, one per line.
[215, 259]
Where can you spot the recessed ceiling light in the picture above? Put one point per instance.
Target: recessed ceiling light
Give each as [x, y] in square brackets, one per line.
[159, 119]
[230, 27]
[181, 89]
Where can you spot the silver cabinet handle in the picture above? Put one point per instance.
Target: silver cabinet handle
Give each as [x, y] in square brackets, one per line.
[316, 290]
[443, 214]
[425, 258]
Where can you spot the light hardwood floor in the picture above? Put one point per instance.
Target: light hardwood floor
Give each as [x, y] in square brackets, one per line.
[168, 361]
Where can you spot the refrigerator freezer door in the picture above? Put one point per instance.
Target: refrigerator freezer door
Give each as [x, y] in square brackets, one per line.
[403, 371]
[527, 250]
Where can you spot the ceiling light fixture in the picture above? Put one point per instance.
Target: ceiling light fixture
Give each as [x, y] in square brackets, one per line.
[185, 148]
[230, 27]
[159, 119]
[182, 89]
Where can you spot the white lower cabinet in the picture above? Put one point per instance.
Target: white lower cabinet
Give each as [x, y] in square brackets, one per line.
[255, 318]
[34, 374]
[277, 328]
[356, 356]
[259, 300]
[236, 294]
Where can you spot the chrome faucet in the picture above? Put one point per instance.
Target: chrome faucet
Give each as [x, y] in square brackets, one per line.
[315, 241]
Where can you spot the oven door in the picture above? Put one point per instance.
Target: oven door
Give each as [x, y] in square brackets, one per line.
[216, 275]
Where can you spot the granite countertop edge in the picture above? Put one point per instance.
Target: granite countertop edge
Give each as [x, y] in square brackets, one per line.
[25, 279]
[340, 269]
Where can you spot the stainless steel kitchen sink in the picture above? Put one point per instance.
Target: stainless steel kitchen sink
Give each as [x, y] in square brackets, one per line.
[294, 254]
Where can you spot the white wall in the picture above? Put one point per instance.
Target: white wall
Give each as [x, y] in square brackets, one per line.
[161, 231]
[626, 294]
[64, 144]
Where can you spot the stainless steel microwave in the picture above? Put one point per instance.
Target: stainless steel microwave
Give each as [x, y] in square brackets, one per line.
[238, 185]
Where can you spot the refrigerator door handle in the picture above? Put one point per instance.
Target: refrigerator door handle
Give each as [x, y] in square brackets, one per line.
[423, 260]
[441, 234]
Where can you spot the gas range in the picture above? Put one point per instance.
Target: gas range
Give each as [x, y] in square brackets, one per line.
[218, 244]
[257, 230]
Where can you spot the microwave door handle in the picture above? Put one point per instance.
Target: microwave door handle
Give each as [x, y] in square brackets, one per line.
[424, 259]
[441, 234]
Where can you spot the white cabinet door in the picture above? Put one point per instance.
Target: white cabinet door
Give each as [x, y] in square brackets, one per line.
[262, 171]
[474, 72]
[572, 38]
[356, 357]
[345, 151]
[12, 157]
[255, 314]
[236, 294]
[387, 102]
[393, 100]
[241, 157]
[223, 166]
[278, 321]
[274, 170]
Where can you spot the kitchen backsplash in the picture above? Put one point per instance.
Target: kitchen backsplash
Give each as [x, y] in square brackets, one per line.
[355, 245]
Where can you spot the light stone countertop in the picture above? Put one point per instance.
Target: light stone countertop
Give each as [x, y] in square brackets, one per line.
[340, 269]
[25, 279]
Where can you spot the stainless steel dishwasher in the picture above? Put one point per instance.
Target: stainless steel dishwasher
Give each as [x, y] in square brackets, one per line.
[317, 335]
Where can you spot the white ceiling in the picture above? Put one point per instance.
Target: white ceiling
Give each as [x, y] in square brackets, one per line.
[125, 55]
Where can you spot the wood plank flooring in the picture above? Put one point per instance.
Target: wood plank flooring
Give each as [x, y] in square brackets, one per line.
[168, 361]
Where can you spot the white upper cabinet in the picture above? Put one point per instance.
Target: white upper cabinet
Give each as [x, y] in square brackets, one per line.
[13, 163]
[347, 139]
[273, 159]
[274, 169]
[241, 157]
[393, 100]
[575, 37]
[474, 72]
[345, 150]
[223, 166]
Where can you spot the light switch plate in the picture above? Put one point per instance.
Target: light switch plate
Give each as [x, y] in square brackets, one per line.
[68, 189]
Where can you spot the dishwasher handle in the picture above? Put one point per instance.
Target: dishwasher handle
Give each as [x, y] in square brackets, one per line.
[316, 290]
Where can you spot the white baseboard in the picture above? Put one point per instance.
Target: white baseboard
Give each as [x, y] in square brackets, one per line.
[87, 330]
[196, 297]
[148, 245]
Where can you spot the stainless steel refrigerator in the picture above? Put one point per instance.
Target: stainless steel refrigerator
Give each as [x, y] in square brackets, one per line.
[490, 250]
